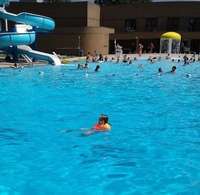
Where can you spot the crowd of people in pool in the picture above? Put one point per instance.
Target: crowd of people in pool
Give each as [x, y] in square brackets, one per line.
[127, 60]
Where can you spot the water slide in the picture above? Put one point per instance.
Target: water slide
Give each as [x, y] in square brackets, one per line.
[20, 40]
[28, 51]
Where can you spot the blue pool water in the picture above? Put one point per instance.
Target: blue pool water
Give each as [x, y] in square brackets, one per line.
[153, 148]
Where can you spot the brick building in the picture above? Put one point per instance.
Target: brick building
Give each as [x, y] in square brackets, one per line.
[90, 27]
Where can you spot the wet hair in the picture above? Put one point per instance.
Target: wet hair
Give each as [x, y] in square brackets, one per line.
[159, 69]
[173, 68]
[104, 118]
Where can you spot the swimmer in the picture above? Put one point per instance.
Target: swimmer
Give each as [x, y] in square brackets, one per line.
[167, 57]
[15, 65]
[111, 75]
[160, 71]
[94, 59]
[100, 57]
[188, 75]
[87, 58]
[173, 69]
[86, 65]
[153, 60]
[41, 73]
[185, 59]
[125, 59]
[149, 58]
[101, 126]
[97, 68]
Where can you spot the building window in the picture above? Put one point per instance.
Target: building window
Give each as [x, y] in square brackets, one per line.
[194, 24]
[130, 25]
[151, 24]
[173, 24]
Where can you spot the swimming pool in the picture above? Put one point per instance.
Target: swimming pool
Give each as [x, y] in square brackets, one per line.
[153, 147]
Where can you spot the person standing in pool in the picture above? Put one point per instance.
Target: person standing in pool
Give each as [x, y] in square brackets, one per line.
[140, 48]
[160, 71]
[185, 59]
[97, 68]
[151, 47]
[100, 57]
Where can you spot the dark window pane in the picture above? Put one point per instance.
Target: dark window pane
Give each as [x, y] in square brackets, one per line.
[151, 24]
[130, 25]
[194, 24]
[173, 24]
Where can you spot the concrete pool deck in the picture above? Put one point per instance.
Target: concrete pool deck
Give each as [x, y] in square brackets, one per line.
[23, 64]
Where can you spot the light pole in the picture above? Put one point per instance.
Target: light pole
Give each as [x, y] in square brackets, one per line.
[79, 42]
[137, 43]
[115, 45]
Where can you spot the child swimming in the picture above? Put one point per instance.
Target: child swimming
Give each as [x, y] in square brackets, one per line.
[101, 126]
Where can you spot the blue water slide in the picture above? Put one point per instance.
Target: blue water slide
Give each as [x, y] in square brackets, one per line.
[15, 39]
[41, 23]
[4, 2]
[19, 40]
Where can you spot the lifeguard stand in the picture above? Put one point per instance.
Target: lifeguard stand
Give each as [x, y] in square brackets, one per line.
[170, 42]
